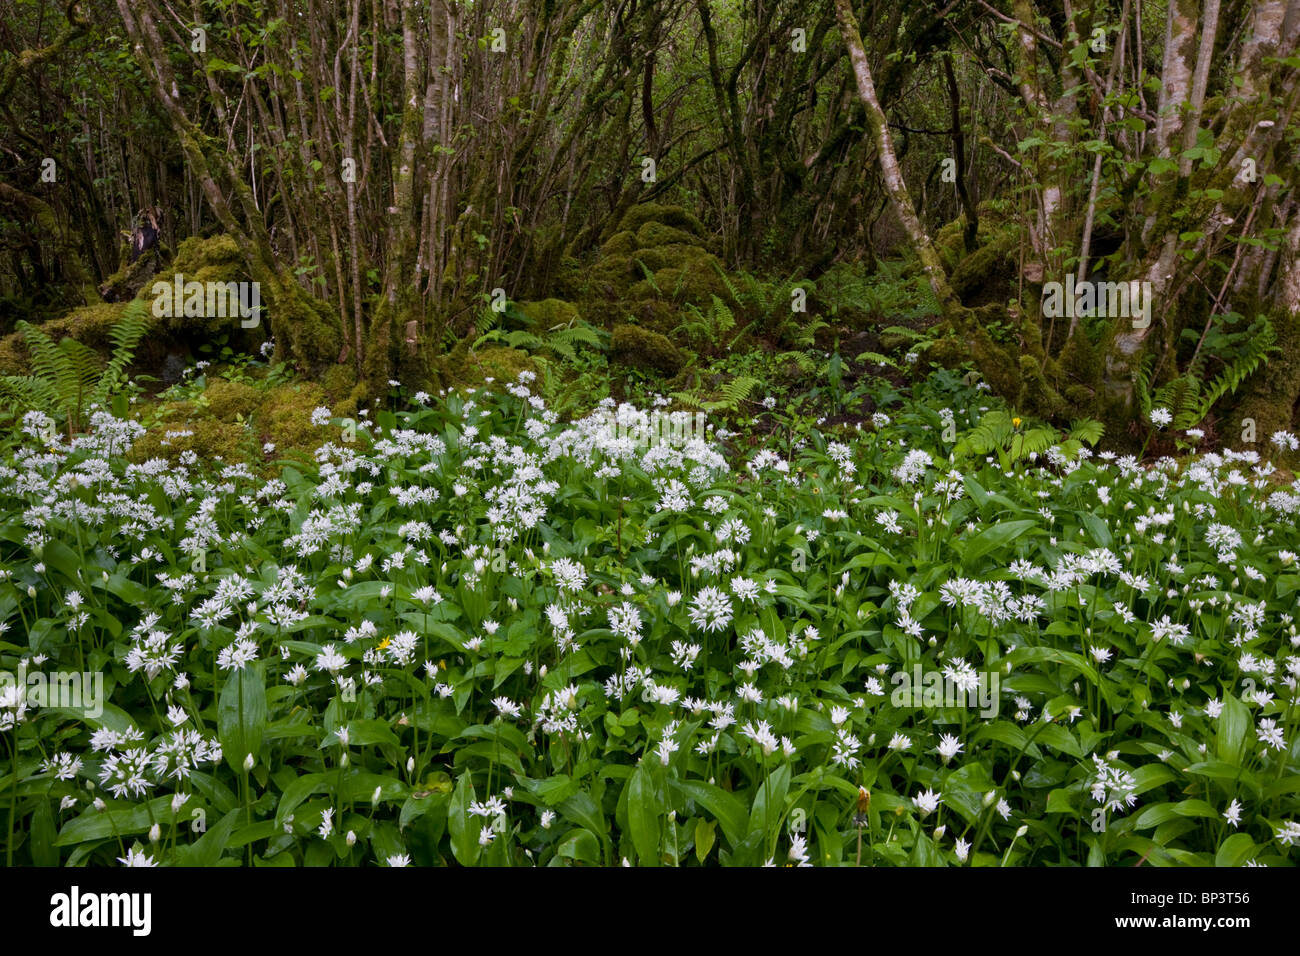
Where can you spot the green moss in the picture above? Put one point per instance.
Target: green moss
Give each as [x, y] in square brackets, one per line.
[674, 256]
[675, 216]
[205, 437]
[570, 278]
[979, 276]
[656, 315]
[1037, 397]
[338, 382]
[950, 352]
[611, 276]
[133, 278]
[549, 313]
[1081, 361]
[1270, 395]
[226, 400]
[640, 348]
[215, 259]
[285, 419]
[653, 234]
[620, 244]
[498, 364]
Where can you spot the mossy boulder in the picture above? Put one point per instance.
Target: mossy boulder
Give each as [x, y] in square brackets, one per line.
[643, 349]
[611, 276]
[672, 256]
[667, 243]
[984, 276]
[498, 364]
[549, 313]
[694, 281]
[132, 278]
[656, 315]
[284, 418]
[675, 216]
[620, 244]
[654, 233]
[229, 400]
[206, 437]
[90, 325]
[214, 259]
[339, 382]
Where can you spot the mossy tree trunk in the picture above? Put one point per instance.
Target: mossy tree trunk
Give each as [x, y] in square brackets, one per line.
[306, 329]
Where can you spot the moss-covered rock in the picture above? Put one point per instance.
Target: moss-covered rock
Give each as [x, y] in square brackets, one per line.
[640, 348]
[655, 233]
[284, 418]
[675, 216]
[620, 244]
[132, 278]
[611, 276]
[214, 259]
[206, 437]
[982, 276]
[673, 256]
[229, 400]
[667, 243]
[656, 315]
[338, 381]
[549, 313]
[90, 325]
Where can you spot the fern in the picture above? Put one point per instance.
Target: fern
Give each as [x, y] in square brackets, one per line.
[730, 395]
[997, 433]
[806, 363]
[125, 336]
[707, 326]
[1087, 430]
[67, 377]
[1241, 368]
[1188, 398]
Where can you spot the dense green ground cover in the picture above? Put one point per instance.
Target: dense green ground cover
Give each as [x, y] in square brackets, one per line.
[475, 632]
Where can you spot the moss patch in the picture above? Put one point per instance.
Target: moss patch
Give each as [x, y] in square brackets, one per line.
[549, 313]
[640, 348]
[226, 400]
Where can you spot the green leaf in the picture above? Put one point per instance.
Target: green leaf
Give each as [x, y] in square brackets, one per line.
[241, 715]
[44, 852]
[581, 845]
[769, 802]
[1234, 724]
[1235, 850]
[207, 849]
[101, 824]
[704, 837]
[643, 816]
[463, 828]
[1001, 534]
[725, 807]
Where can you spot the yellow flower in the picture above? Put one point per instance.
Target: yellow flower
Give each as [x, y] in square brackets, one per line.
[1016, 422]
[384, 643]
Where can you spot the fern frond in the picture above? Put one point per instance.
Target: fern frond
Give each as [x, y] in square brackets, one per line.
[125, 335]
[1087, 430]
[802, 359]
[1231, 378]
